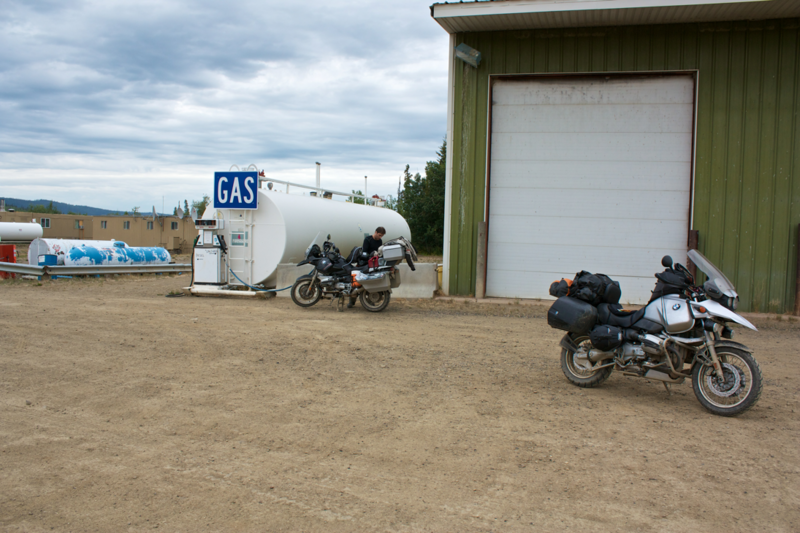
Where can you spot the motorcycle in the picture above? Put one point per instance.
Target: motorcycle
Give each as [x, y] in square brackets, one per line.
[683, 332]
[337, 277]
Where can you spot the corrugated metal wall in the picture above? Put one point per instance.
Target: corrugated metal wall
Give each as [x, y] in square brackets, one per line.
[747, 176]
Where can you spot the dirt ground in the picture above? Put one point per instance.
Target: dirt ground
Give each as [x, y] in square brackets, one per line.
[125, 410]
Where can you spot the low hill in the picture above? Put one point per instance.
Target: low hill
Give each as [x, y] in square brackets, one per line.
[25, 205]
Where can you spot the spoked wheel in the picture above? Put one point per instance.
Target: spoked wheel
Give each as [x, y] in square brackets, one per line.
[303, 294]
[737, 392]
[375, 301]
[575, 368]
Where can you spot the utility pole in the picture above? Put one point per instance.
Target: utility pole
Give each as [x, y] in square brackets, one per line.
[366, 197]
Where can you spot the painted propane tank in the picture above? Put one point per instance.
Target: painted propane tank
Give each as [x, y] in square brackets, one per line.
[60, 248]
[117, 254]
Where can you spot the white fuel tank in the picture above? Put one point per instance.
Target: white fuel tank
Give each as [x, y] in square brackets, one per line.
[284, 225]
[60, 248]
[20, 231]
[672, 312]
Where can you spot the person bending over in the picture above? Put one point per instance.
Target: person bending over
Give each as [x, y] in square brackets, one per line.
[370, 246]
[374, 241]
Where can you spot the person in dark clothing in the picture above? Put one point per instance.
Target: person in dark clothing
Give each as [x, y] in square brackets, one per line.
[370, 246]
[374, 241]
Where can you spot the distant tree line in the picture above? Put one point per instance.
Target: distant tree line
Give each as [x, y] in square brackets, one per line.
[49, 209]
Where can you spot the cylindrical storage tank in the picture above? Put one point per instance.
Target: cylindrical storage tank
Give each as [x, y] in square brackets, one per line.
[284, 225]
[20, 231]
[59, 247]
[118, 254]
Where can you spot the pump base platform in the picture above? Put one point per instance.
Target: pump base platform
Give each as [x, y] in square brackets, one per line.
[210, 290]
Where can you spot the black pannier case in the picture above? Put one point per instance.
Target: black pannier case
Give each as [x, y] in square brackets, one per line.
[571, 314]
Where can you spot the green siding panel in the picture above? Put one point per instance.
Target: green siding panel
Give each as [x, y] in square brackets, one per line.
[747, 166]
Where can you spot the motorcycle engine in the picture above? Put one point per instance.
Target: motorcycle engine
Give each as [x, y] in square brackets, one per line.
[659, 347]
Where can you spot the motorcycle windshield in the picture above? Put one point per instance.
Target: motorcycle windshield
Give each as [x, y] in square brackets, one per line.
[316, 241]
[713, 273]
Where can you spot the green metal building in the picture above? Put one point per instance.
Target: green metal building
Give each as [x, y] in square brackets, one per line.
[599, 135]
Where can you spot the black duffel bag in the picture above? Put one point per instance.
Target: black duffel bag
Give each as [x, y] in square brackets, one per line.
[595, 288]
[606, 338]
[560, 288]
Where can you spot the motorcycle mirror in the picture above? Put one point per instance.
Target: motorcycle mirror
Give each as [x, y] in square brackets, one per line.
[329, 236]
[666, 261]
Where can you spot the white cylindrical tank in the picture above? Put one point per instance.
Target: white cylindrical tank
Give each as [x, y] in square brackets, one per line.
[284, 225]
[59, 247]
[20, 231]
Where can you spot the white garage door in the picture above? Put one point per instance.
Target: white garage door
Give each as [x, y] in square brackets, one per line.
[588, 174]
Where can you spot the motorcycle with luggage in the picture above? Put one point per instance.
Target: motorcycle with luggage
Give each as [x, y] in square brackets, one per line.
[683, 332]
[336, 277]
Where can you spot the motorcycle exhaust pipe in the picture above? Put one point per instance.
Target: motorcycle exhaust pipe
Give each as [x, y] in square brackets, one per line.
[599, 355]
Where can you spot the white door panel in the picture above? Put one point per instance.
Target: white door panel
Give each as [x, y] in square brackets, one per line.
[569, 175]
[581, 146]
[591, 204]
[625, 232]
[616, 118]
[588, 174]
[583, 91]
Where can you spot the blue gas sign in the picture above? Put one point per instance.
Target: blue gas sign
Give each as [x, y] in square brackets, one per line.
[235, 190]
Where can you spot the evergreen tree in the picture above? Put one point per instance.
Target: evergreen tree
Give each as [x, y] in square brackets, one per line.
[201, 205]
[421, 202]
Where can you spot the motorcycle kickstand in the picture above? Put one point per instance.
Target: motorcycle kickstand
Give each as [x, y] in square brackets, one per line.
[666, 386]
[340, 304]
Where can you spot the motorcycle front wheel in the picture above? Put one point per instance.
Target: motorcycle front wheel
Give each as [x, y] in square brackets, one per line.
[303, 294]
[374, 301]
[577, 375]
[740, 389]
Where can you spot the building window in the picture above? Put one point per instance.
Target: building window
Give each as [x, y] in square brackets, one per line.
[174, 225]
[149, 225]
[104, 224]
[126, 224]
[45, 222]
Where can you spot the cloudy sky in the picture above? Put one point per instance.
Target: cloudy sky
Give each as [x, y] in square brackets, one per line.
[115, 104]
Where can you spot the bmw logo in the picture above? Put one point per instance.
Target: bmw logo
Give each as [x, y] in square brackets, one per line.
[676, 307]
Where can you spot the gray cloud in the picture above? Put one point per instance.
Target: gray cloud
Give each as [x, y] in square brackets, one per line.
[116, 103]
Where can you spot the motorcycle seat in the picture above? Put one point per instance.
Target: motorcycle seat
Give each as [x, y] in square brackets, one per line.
[612, 315]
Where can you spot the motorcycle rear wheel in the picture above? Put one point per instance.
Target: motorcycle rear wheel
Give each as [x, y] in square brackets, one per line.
[374, 301]
[578, 376]
[741, 389]
[303, 295]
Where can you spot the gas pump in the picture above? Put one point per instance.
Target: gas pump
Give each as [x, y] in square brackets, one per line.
[208, 261]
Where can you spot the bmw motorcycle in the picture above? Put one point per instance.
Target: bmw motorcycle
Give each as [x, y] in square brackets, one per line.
[337, 277]
[683, 332]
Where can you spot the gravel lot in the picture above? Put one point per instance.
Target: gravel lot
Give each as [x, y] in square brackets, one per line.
[124, 410]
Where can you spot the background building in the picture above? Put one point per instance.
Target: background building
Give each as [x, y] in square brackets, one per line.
[175, 233]
[596, 135]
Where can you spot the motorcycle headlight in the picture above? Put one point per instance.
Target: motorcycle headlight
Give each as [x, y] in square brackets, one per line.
[733, 303]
